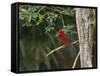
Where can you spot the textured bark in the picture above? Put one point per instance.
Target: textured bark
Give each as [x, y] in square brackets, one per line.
[85, 32]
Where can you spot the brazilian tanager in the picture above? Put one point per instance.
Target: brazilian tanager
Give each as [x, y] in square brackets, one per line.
[65, 38]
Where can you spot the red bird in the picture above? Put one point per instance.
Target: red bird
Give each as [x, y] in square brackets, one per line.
[65, 38]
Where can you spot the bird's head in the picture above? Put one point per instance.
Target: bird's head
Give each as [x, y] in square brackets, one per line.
[59, 32]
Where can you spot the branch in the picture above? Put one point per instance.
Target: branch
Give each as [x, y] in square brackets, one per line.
[55, 50]
[76, 60]
[41, 9]
[61, 17]
[60, 48]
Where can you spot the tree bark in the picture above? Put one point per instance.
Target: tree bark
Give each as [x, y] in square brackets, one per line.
[84, 23]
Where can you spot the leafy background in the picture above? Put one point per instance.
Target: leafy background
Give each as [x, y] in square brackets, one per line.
[38, 26]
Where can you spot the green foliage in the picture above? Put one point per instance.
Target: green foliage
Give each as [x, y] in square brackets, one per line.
[38, 27]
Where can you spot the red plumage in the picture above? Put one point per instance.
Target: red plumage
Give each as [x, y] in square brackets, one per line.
[63, 37]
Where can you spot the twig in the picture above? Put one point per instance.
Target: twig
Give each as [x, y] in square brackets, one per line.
[76, 60]
[60, 48]
[61, 17]
[55, 50]
[41, 8]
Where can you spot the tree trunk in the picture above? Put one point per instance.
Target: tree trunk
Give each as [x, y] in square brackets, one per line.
[84, 23]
